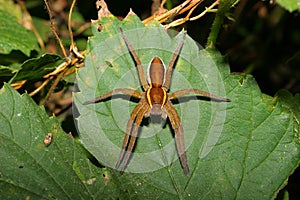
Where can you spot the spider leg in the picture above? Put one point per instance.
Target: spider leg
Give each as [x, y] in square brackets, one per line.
[168, 77]
[184, 92]
[137, 61]
[125, 141]
[179, 136]
[127, 91]
[133, 124]
[132, 117]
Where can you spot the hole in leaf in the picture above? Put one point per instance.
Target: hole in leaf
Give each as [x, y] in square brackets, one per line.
[241, 81]
[109, 63]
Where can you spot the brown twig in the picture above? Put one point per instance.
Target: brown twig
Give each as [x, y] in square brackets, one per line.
[187, 6]
[40, 87]
[165, 16]
[188, 16]
[53, 86]
[76, 57]
[53, 29]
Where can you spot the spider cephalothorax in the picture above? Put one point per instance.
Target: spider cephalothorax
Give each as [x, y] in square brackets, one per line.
[154, 101]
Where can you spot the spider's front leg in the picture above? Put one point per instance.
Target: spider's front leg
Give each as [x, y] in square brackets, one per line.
[180, 93]
[127, 91]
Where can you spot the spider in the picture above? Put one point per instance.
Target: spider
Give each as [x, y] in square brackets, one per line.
[153, 101]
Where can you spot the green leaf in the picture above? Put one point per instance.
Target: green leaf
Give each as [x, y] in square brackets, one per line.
[38, 67]
[292, 103]
[290, 5]
[33, 68]
[12, 8]
[14, 36]
[245, 149]
[30, 170]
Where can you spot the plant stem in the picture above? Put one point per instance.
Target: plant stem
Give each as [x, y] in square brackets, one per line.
[224, 7]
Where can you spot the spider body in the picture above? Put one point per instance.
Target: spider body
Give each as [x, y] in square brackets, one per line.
[154, 101]
[156, 95]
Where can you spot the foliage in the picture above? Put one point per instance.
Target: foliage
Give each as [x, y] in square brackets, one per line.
[291, 5]
[235, 149]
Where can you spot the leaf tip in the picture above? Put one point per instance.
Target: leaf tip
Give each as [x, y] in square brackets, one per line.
[130, 13]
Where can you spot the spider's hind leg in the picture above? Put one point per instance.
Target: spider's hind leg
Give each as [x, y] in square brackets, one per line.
[179, 135]
[136, 117]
